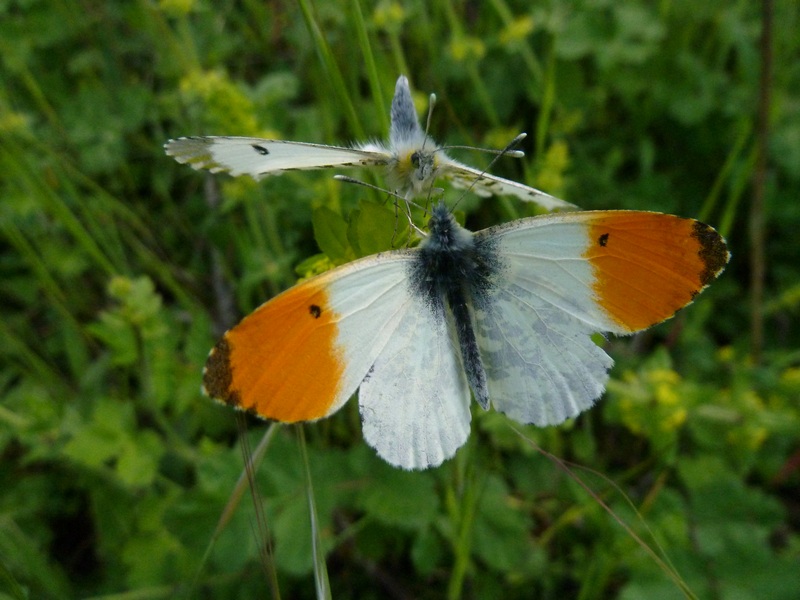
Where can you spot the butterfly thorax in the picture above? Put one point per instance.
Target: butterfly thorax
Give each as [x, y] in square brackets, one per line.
[452, 275]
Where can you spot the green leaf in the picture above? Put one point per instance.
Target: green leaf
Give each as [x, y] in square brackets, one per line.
[292, 529]
[389, 498]
[427, 551]
[718, 495]
[118, 335]
[375, 228]
[501, 530]
[139, 458]
[102, 438]
[330, 232]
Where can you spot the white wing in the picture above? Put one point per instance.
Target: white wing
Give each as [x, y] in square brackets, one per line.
[535, 330]
[415, 401]
[259, 157]
[484, 185]
[301, 355]
[413, 397]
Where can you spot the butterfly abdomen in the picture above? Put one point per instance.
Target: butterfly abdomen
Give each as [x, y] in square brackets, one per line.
[455, 270]
[405, 126]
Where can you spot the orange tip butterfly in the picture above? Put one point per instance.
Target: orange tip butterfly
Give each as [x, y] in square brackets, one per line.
[412, 159]
[506, 312]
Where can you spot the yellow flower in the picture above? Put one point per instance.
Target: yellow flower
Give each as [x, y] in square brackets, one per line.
[791, 376]
[320, 265]
[665, 394]
[517, 30]
[389, 16]
[551, 174]
[225, 106]
[465, 48]
[13, 122]
[177, 8]
[726, 354]
[674, 420]
[665, 376]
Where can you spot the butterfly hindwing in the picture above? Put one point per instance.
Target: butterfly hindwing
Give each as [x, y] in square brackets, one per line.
[415, 401]
[541, 364]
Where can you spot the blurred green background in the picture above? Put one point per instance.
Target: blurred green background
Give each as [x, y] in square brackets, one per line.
[119, 268]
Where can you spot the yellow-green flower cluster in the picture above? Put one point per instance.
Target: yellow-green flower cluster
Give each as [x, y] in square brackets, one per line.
[550, 177]
[516, 31]
[389, 16]
[466, 48]
[652, 402]
[177, 8]
[14, 123]
[220, 103]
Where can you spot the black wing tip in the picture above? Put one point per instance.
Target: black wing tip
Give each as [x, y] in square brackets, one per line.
[713, 251]
[170, 146]
[218, 375]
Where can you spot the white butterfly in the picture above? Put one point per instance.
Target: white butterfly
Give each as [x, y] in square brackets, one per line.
[412, 159]
[507, 312]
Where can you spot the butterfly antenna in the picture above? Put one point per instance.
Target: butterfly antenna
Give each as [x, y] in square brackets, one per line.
[431, 104]
[432, 191]
[377, 188]
[507, 151]
[407, 201]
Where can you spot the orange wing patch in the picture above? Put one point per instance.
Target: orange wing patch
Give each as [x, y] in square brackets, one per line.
[281, 362]
[649, 265]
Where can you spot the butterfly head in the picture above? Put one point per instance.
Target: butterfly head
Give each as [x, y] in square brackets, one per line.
[413, 168]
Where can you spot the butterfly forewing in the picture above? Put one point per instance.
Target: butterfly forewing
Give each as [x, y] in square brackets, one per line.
[415, 401]
[648, 265]
[621, 270]
[259, 157]
[301, 355]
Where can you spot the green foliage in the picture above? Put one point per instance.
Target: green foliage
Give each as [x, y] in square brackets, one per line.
[119, 269]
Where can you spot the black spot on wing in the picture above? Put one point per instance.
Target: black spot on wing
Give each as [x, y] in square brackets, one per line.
[260, 149]
[603, 239]
[315, 311]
